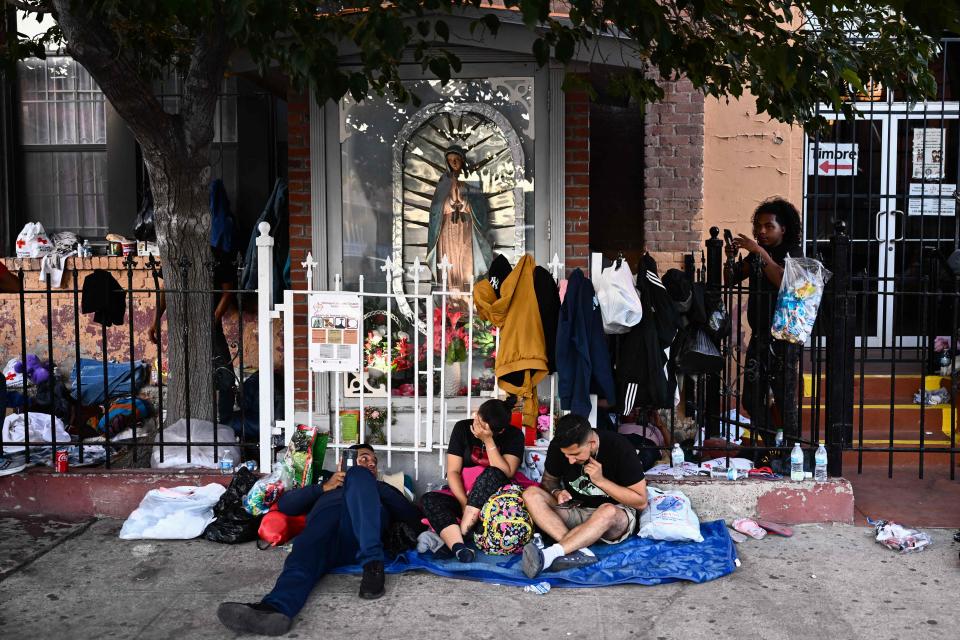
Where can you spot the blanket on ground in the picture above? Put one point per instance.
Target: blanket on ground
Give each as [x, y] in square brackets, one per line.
[634, 561]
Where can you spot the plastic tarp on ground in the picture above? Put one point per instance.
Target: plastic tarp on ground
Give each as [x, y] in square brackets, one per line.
[634, 561]
[117, 383]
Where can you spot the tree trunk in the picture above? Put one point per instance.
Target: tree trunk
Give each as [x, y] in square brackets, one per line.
[182, 217]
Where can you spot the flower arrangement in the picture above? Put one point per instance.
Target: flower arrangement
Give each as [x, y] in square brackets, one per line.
[375, 351]
[453, 333]
[376, 419]
[543, 421]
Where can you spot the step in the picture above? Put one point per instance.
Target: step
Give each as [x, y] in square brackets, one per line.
[877, 387]
[906, 420]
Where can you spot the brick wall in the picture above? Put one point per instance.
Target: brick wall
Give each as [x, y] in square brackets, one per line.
[577, 189]
[301, 232]
[673, 175]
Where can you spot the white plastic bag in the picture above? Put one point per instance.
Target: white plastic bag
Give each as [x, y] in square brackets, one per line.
[41, 432]
[799, 299]
[33, 242]
[619, 301]
[200, 456]
[175, 513]
[669, 516]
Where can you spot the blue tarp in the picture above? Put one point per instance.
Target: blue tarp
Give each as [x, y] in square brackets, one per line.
[118, 380]
[634, 561]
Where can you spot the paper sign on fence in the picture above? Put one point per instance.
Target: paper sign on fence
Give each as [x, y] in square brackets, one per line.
[336, 322]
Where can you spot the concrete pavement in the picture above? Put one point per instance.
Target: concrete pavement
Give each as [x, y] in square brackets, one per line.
[827, 581]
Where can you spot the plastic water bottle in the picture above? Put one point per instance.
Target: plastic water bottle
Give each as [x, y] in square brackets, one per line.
[796, 463]
[676, 461]
[820, 464]
[226, 462]
[778, 441]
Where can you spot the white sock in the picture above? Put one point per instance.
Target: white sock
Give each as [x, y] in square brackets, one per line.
[586, 551]
[550, 554]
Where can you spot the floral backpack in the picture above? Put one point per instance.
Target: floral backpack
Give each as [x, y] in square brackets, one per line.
[505, 523]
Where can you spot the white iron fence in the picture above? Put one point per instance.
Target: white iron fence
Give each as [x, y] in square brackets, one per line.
[428, 408]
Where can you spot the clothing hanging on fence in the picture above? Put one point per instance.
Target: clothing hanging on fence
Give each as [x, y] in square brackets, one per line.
[641, 355]
[583, 360]
[521, 356]
[104, 298]
[548, 300]
[221, 218]
[275, 213]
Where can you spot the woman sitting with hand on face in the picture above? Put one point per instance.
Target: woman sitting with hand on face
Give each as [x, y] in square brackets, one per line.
[486, 441]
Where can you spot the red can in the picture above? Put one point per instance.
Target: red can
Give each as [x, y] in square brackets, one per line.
[61, 462]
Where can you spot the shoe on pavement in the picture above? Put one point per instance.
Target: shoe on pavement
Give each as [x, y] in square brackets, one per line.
[255, 618]
[573, 560]
[532, 560]
[371, 584]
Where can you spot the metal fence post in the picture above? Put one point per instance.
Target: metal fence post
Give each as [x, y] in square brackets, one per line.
[265, 343]
[840, 351]
[712, 400]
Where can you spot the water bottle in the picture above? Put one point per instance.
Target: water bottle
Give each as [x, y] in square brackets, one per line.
[226, 462]
[820, 464]
[778, 441]
[796, 463]
[676, 461]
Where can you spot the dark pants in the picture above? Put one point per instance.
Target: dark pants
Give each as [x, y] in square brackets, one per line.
[442, 510]
[772, 365]
[344, 527]
[223, 376]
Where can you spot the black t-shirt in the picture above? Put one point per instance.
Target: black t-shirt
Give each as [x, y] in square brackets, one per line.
[471, 449]
[615, 454]
[763, 293]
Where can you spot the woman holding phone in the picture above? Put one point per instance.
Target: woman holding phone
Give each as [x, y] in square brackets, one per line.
[486, 441]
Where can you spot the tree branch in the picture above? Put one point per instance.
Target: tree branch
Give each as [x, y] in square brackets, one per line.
[36, 6]
[201, 87]
[92, 43]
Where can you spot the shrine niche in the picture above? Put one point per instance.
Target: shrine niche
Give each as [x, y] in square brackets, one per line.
[458, 192]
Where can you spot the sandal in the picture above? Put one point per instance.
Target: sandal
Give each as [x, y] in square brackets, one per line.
[774, 527]
[750, 528]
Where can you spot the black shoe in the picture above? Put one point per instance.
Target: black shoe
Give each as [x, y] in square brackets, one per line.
[371, 584]
[257, 619]
[532, 562]
[466, 555]
[574, 560]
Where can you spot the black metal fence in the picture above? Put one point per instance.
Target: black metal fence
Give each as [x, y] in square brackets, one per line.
[94, 403]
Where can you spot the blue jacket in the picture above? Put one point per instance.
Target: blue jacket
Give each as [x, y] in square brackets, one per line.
[275, 212]
[583, 360]
[221, 218]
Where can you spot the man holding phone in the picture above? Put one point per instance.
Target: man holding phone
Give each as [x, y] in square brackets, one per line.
[601, 471]
[347, 517]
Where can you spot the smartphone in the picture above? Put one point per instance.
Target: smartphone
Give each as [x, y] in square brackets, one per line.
[348, 459]
[570, 504]
[728, 237]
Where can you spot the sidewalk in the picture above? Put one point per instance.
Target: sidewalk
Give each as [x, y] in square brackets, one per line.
[827, 581]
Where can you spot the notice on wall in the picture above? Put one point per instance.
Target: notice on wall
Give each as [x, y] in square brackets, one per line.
[336, 322]
[928, 154]
[832, 158]
[937, 199]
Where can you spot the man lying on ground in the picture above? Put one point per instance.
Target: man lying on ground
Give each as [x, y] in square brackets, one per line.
[593, 488]
[347, 518]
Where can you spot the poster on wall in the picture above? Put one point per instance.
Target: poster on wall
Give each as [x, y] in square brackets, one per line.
[934, 199]
[928, 154]
[336, 320]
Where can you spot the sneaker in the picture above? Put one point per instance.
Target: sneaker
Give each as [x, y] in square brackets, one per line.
[573, 560]
[371, 584]
[532, 560]
[256, 618]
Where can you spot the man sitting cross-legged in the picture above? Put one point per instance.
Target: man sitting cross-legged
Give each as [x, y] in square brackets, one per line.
[347, 518]
[593, 488]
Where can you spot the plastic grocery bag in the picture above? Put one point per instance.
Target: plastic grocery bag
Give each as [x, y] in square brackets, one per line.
[304, 456]
[799, 299]
[41, 431]
[175, 451]
[175, 513]
[265, 492]
[669, 516]
[619, 301]
[33, 241]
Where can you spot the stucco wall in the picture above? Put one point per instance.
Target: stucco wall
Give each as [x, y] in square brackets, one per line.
[746, 159]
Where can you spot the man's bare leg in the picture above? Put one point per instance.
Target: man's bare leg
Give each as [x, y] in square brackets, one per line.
[540, 504]
[608, 521]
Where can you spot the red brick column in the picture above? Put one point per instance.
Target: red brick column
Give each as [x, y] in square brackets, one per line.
[577, 189]
[301, 231]
[673, 175]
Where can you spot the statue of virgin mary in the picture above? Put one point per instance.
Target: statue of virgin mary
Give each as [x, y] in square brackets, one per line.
[459, 224]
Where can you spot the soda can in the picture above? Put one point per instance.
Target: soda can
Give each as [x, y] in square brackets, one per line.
[61, 462]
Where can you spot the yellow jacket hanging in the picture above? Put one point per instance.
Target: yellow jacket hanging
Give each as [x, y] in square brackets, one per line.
[522, 355]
